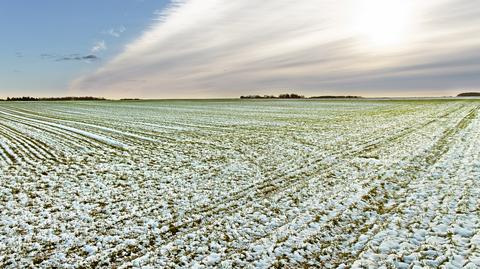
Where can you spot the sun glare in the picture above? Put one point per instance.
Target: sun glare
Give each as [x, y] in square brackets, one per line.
[382, 23]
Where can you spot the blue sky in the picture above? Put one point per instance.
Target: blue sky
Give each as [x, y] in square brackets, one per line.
[35, 34]
[224, 48]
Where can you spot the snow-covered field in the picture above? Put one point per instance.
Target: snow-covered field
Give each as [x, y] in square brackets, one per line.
[244, 184]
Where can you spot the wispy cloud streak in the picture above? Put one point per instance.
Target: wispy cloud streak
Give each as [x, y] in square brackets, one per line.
[116, 32]
[219, 48]
[99, 46]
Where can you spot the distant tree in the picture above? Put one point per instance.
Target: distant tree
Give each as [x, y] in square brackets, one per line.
[290, 96]
[469, 94]
[251, 97]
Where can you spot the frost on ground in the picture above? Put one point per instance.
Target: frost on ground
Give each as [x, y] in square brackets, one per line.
[242, 184]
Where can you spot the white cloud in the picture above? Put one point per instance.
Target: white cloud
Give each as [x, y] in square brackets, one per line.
[99, 46]
[116, 32]
[207, 48]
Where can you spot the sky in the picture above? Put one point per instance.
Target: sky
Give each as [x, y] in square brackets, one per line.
[221, 48]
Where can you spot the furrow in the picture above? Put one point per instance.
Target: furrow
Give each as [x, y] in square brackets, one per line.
[98, 138]
[38, 145]
[49, 120]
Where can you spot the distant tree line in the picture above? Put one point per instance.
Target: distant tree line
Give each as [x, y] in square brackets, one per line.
[281, 96]
[469, 94]
[258, 97]
[297, 96]
[70, 98]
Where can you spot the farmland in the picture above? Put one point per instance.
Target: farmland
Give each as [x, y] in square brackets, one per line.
[240, 183]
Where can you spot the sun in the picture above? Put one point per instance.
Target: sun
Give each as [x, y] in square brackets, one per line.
[382, 23]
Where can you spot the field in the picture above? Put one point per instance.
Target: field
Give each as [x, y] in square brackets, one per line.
[244, 184]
